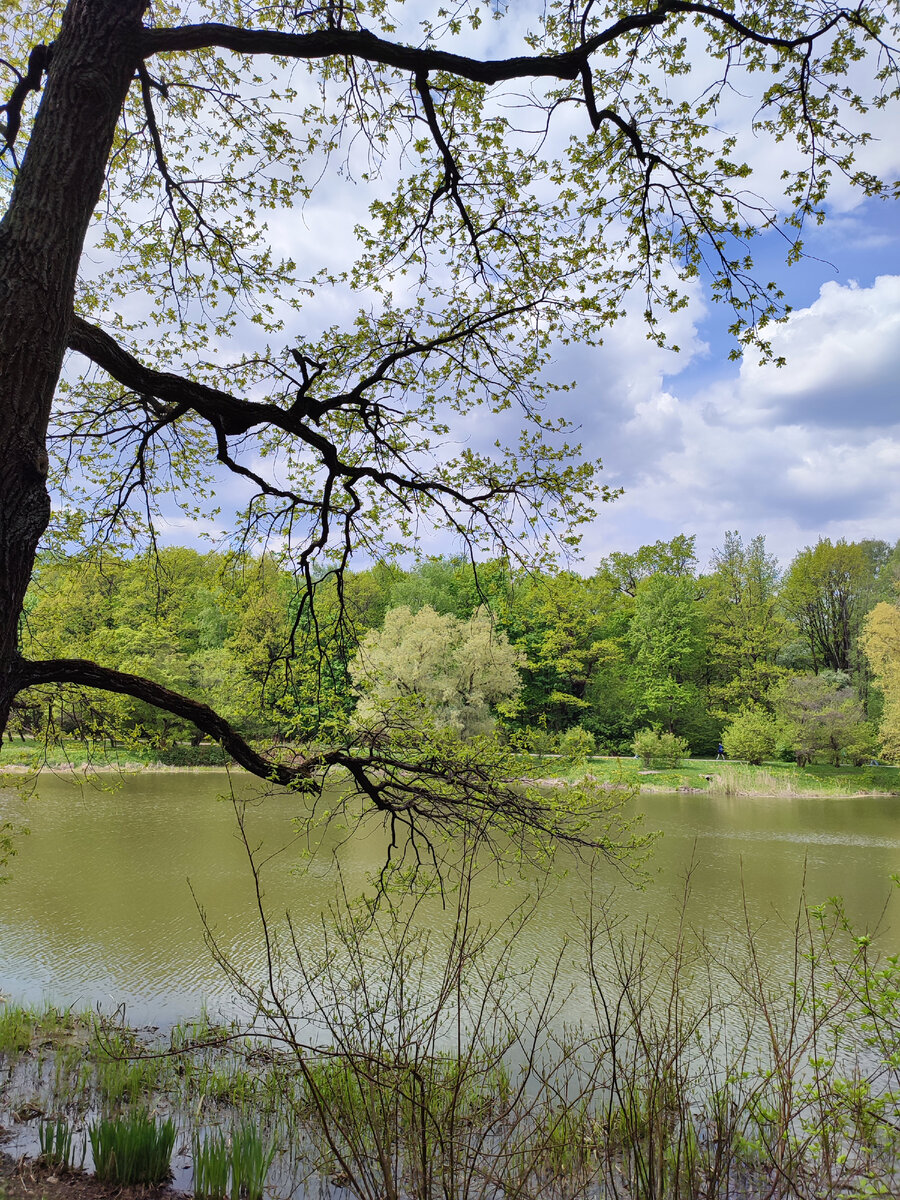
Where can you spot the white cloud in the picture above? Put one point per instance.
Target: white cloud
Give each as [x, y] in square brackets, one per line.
[808, 450]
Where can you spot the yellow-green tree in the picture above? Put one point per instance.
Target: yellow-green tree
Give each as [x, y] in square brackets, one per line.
[881, 642]
[457, 670]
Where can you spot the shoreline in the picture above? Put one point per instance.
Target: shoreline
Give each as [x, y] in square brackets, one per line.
[132, 768]
[125, 768]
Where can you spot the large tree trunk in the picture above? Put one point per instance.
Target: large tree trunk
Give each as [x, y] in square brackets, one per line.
[41, 241]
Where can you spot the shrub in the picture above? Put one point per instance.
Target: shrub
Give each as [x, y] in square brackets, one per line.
[752, 736]
[656, 749]
[192, 756]
[540, 741]
[577, 742]
[864, 747]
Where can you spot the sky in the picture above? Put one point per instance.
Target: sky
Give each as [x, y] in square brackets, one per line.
[701, 444]
[812, 449]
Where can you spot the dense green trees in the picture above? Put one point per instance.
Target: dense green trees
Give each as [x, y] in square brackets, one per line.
[745, 624]
[456, 669]
[648, 640]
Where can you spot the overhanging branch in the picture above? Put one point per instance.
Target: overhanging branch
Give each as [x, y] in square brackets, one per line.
[84, 673]
[359, 43]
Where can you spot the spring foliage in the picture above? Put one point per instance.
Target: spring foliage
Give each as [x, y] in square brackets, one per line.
[456, 669]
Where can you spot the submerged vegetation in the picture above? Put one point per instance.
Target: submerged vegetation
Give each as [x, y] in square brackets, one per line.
[691, 1071]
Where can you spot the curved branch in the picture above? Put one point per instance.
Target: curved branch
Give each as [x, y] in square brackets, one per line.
[234, 415]
[359, 43]
[84, 673]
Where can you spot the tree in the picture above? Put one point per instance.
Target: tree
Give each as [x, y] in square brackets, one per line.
[881, 643]
[161, 146]
[745, 628]
[675, 558]
[667, 637]
[826, 592]
[456, 669]
[820, 714]
[561, 622]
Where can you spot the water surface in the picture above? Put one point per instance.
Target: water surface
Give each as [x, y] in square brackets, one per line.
[103, 904]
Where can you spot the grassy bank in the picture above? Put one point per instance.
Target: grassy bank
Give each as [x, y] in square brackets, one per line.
[725, 778]
[695, 774]
[29, 754]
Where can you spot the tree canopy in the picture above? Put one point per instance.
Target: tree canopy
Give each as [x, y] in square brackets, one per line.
[153, 151]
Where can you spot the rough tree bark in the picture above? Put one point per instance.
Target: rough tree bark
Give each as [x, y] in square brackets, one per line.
[41, 240]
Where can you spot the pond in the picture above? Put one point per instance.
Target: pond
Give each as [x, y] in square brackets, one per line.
[103, 905]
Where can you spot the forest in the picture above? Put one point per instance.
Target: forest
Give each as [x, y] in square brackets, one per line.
[798, 662]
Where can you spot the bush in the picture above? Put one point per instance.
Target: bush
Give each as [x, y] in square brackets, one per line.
[864, 747]
[752, 736]
[192, 756]
[540, 741]
[577, 742]
[656, 749]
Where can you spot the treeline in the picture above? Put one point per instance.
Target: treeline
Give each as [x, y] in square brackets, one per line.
[650, 640]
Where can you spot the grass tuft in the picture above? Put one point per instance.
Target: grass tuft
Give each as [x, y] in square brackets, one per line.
[212, 1164]
[132, 1148]
[56, 1143]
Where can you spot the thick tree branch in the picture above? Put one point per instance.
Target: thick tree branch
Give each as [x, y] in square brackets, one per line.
[359, 43]
[235, 416]
[229, 415]
[419, 790]
[38, 64]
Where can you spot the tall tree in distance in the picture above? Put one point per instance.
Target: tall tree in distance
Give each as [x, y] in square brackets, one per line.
[160, 136]
[667, 637]
[826, 592]
[745, 627]
[881, 642]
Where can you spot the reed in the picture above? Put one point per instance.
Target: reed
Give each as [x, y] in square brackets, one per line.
[250, 1159]
[55, 1139]
[212, 1165]
[16, 1030]
[132, 1149]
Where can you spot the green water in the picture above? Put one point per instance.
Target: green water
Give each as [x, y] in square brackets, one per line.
[102, 904]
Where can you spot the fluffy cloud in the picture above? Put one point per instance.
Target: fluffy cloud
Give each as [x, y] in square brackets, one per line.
[807, 450]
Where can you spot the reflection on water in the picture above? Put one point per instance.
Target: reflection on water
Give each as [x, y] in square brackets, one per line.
[102, 906]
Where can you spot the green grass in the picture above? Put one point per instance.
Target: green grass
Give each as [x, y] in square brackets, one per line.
[724, 778]
[76, 754]
[132, 1149]
[212, 1164]
[56, 1143]
[251, 1157]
